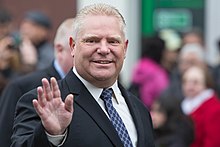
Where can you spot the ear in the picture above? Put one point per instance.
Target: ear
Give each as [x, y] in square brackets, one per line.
[72, 46]
[125, 48]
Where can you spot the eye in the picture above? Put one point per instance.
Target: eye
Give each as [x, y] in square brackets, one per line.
[114, 42]
[90, 40]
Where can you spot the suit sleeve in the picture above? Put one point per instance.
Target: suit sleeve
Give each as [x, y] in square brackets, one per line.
[28, 130]
[8, 101]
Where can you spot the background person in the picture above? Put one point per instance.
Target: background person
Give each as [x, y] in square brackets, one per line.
[190, 55]
[171, 127]
[35, 48]
[10, 63]
[16, 88]
[202, 105]
[173, 43]
[149, 78]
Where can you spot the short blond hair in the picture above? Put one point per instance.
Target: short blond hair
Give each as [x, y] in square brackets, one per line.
[64, 32]
[97, 9]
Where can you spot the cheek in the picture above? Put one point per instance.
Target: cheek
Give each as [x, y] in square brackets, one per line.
[192, 90]
[120, 54]
[199, 88]
[81, 58]
[188, 88]
[69, 60]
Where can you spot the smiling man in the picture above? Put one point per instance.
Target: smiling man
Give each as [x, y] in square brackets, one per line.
[89, 107]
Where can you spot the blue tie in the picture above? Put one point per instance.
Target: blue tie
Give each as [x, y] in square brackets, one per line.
[115, 118]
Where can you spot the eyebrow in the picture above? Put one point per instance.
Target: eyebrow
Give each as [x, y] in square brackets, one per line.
[89, 36]
[118, 37]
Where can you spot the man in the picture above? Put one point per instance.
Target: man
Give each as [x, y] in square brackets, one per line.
[35, 48]
[99, 47]
[9, 56]
[62, 64]
[5, 23]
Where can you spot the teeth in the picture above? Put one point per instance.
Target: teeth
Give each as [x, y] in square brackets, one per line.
[104, 62]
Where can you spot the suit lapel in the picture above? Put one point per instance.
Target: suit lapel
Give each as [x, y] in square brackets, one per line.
[135, 115]
[85, 100]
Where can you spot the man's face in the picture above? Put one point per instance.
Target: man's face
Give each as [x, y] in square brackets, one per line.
[64, 57]
[99, 50]
[32, 31]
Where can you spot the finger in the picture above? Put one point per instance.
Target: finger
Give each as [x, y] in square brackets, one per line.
[55, 88]
[37, 107]
[40, 96]
[47, 89]
[69, 103]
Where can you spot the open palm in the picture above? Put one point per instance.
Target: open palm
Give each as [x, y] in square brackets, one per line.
[55, 114]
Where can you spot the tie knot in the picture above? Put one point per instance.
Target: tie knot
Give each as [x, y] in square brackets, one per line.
[106, 94]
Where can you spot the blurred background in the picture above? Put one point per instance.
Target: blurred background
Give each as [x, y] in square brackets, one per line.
[144, 18]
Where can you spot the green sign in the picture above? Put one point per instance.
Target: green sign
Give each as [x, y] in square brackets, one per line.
[178, 19]
[193, 4]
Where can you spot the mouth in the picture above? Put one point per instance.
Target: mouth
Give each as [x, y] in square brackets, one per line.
[103, 61]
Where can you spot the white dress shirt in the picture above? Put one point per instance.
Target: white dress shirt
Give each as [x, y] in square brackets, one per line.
[118, 102]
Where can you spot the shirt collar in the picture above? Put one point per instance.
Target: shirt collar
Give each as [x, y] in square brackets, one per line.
[59, 69]
[95, 91]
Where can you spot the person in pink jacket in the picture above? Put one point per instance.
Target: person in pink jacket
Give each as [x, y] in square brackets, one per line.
[148, 74]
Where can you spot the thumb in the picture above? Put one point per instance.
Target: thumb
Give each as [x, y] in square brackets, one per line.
[69, 103]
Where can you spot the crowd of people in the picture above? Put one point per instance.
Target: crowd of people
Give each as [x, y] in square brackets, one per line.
[55, 94]
[184, 112]
[24, 49]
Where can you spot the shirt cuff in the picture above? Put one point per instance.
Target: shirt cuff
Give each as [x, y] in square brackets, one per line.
[57, 140]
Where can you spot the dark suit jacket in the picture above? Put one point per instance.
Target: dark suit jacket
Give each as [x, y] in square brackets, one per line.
[12, 93]
[90, 127]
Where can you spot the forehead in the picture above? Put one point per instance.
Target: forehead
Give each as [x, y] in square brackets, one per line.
[102, 18]
[194, 74]
[189, 55]
[101, 24]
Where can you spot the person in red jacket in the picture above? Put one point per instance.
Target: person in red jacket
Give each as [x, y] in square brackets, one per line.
[202, 105]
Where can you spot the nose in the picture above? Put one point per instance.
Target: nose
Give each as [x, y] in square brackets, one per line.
[103, 48]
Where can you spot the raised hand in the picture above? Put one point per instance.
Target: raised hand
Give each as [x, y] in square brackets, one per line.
[55, 114]
[28, 52]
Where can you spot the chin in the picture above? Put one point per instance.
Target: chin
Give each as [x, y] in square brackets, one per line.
[102, 77]
[103, 73]
[192, 95]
